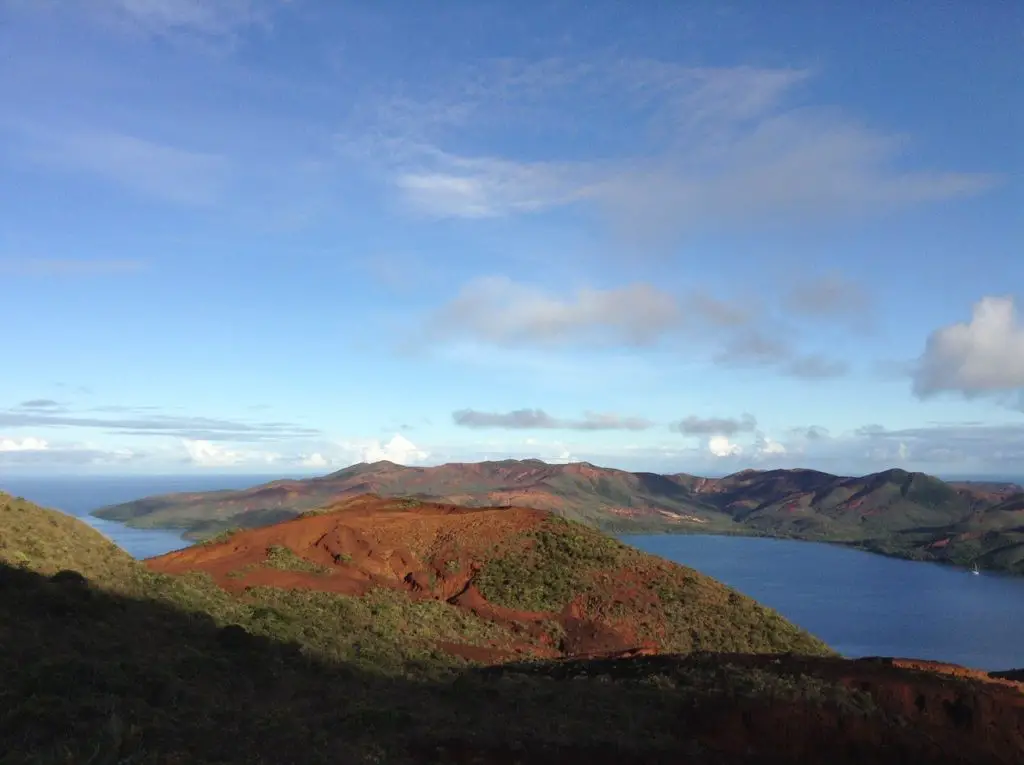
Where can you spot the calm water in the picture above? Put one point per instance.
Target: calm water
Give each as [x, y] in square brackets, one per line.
[863, 604]
[860, 604]
[78, 496]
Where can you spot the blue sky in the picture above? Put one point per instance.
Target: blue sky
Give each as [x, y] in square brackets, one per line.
[286, 236]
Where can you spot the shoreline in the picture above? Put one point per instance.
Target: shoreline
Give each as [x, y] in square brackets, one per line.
[618, 530]
[858, 545]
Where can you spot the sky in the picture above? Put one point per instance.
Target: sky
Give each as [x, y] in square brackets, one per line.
[285, 236]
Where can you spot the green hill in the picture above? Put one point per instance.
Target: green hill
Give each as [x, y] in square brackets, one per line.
[47, 541]
[893, 512]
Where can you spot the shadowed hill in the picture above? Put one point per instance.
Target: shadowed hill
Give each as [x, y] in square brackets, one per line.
[182, 671]
[894, 512]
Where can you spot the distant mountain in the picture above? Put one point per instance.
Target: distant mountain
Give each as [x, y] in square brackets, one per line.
[894, 512]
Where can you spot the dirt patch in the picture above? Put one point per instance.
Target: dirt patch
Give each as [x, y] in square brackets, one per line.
[553, 587]
[427, 550]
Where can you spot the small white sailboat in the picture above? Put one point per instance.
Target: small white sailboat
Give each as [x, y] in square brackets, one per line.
[974, 569]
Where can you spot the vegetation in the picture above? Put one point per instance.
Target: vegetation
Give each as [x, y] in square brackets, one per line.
[91, 676]
[48, 541]
[221, 536]
[548, 567]
[106, 662]
[893, 512]
[282, 558]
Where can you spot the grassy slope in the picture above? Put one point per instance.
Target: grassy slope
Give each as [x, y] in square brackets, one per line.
[46, 541]
[684, 611]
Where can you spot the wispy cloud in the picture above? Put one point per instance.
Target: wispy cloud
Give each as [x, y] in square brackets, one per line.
[538, 419]
[145, 424]
[709, 147]
[827, 297]
[814, 367]
[47, 267]
[486, 187]
[45, 404]
[714, 426]
[968, 444]
[754, 347]
[511, 315]
[162, 18]
[168, 172]
[501, 311]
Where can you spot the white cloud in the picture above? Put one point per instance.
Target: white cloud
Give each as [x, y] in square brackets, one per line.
[23, 445]
[316, 460]
[721, 446]
[982, 356]
[564, 456]
[535, 419]
[468, 187]
[399, 450]
[719, 426]
[32, 453]
[503, 312]
[209, 454]
[711, 147]
[513, 316]
[765, 446]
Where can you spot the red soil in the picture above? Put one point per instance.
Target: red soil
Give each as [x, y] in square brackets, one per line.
[428, 550]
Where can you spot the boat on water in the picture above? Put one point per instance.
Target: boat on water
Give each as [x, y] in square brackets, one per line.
[974, 569]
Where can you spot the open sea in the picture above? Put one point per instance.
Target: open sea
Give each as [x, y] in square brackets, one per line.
[859, 603]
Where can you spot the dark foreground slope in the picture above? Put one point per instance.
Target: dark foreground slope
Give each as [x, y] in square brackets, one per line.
[911, 515]
[139, 667]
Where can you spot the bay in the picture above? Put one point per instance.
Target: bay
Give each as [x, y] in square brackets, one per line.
[863, 604]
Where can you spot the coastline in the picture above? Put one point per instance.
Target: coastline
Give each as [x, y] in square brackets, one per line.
[193, 536]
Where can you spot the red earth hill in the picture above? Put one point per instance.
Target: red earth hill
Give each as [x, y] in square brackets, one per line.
[550, 586]
[760, 690]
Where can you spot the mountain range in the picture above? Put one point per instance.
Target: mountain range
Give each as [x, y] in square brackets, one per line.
[895, 512]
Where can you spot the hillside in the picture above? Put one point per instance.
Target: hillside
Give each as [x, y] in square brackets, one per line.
[511, 580]
[351, 635]
[47, 541]
[893, 512]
